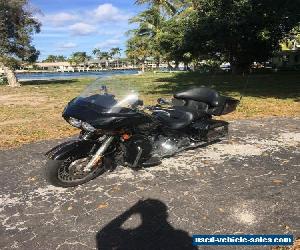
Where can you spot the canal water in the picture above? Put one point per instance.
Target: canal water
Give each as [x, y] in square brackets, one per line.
[70, 75]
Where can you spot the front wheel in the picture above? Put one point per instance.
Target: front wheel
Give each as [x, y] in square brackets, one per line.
[69, 172]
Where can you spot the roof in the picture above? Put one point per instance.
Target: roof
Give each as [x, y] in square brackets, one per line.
[53, 64]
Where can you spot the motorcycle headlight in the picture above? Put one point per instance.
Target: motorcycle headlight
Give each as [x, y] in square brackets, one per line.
[88, 127]
[75, 122]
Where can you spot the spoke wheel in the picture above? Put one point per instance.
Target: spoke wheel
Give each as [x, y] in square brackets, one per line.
[70, 172]
[73, 170]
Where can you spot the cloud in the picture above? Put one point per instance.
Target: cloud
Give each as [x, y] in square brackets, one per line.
[68, 45]
[82, 29]
[108, 44]
[98, 20]
[108, 13]
[105, 23]
[59, 19]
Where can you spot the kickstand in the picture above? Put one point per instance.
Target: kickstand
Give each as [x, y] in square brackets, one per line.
[136, 161]
[229, 137]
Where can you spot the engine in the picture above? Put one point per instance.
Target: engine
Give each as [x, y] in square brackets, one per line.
[137, 149]
[141, 147]
[165, 145]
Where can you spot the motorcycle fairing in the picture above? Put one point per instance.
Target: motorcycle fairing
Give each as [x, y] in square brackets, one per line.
[99, 117]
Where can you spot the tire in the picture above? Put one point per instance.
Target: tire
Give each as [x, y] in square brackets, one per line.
[53, 167]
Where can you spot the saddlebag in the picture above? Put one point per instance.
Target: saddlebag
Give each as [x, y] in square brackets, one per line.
[225, 106]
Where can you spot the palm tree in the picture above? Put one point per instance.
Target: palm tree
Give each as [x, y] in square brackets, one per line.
[167, 5]
[115, 52]
[150, 22]
[150, 25]
[187, 7]
[61, 58]
[77, 58]
[50, 58]
[96, 52]
[106, 56]
[102, 55]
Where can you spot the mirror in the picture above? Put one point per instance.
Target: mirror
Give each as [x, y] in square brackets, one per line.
[138, 103]
[162, 101]
[103, 89]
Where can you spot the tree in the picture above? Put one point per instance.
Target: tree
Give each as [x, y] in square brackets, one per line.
[102, 55]
[53, 58]
[17, 25]
[238, 31]
[243, 31]
[167, 6]
[105, 56]
[138, 49]
[60, 58]
[96, 52]
[78, 57]
[115, 52]
[171, 40]
[162, 24]
[292, 39]
[50, 58]
[150, 24]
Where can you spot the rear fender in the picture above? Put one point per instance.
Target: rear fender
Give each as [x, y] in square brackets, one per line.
[75, 147]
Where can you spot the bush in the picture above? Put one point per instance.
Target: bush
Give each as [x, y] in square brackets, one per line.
[3, 80]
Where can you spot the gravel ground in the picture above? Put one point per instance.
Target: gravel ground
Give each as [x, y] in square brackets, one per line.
[248, 184]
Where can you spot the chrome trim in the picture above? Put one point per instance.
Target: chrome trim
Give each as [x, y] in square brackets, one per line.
[99, 154]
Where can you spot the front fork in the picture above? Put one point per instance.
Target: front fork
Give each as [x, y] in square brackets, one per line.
[106, 142]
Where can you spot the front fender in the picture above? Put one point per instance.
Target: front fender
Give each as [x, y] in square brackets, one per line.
[75, 147]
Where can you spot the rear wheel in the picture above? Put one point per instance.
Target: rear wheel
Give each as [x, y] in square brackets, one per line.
[69, 172]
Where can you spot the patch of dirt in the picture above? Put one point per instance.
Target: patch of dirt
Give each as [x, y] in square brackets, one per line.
[22, 99]
[296, 246]
[15, 121]
[192, 160]
[245, 217]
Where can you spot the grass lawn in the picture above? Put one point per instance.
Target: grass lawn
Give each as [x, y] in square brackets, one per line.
[33, 112]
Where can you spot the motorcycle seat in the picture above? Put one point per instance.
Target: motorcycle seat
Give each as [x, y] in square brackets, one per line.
[177, 117]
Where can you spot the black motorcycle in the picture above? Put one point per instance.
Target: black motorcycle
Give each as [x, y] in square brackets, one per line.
[117, 129]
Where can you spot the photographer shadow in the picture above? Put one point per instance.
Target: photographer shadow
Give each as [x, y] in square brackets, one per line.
[153, 232]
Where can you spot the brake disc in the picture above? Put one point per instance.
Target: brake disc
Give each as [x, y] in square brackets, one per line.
[76, 168]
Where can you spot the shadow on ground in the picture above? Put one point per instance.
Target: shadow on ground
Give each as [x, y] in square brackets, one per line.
[50, 81]
[152, 232]
[277, 85]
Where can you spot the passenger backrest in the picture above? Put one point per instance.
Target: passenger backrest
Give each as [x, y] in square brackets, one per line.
[202, 94]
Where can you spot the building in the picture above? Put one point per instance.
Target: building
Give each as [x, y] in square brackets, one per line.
[287, 59]
[55, 66]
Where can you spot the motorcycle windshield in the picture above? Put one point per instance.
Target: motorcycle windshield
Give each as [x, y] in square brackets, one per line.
[109, 95]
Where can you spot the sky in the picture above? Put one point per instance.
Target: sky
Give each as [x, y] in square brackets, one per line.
[81, 25]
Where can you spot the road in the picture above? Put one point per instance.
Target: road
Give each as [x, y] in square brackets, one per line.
[248, 184]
